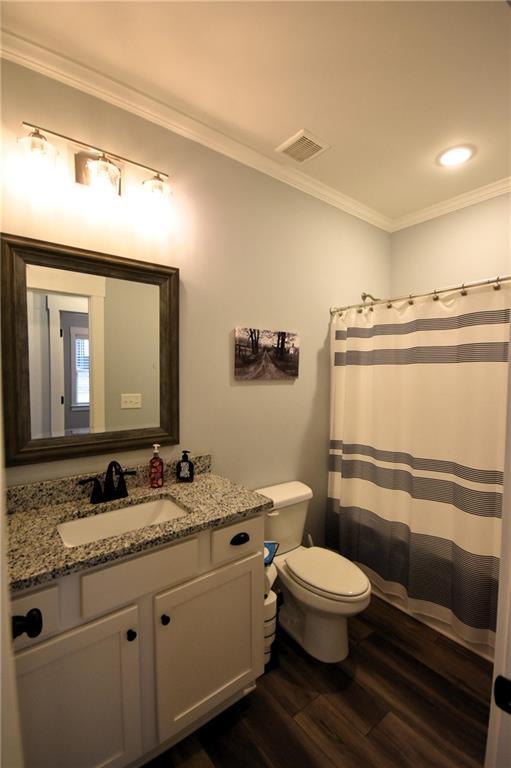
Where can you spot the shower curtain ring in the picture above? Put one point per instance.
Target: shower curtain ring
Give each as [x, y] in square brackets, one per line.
[463, 290]
[435, 295]
[496, 287]
[410, 300]
[389, 305]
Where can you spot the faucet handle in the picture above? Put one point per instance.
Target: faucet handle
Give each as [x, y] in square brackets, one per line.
[97, 491]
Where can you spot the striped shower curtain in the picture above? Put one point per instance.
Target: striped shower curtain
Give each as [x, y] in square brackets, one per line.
[418, 414]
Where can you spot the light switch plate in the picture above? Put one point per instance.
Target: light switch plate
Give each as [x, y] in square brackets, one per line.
[131, 401]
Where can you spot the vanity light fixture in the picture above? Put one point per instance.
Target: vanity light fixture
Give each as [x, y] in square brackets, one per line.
[39, 157]
[456, 155]
[95, 167]
[37, 145]
[156, 187]
[103, 175]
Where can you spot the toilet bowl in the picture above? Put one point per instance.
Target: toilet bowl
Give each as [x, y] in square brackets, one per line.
[316, 617]
[321, 588]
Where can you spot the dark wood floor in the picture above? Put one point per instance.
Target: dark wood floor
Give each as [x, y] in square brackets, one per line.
[406, 697]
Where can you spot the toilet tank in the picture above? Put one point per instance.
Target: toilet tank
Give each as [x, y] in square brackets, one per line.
[286, 521]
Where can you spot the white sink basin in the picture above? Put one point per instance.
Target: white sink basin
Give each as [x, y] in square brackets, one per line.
[101, 526]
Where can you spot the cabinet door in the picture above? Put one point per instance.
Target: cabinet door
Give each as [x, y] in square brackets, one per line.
[79, 696]
[209, 642]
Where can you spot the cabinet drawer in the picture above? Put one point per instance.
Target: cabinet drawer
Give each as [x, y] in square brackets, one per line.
[120, 584]
[47, 601]
[237, 540]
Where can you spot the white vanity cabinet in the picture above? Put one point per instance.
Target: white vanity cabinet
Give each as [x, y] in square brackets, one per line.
[154, 645]
[79, 696]
[207, 643]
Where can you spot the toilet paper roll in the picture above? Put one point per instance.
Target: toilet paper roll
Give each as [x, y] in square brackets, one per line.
[270, 606]
[268, 642]
[270, 574]
[269, 626]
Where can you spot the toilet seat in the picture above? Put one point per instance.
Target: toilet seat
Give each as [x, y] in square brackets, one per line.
[327, 573]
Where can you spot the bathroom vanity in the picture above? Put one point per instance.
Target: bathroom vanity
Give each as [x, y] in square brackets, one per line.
[145, 635]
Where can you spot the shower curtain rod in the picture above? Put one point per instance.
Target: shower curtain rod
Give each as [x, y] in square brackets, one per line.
[435, 293]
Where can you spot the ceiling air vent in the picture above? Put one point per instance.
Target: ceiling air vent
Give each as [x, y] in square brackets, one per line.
[302, 146]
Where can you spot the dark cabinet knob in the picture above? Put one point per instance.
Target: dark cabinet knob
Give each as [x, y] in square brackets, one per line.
[240, 538]
[131, 635]
[165, 619]
[32, 623]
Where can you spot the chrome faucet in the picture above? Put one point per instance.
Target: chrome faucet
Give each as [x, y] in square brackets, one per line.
[110, 491]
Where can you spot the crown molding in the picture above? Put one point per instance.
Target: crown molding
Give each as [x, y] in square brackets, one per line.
[69, 72]
[478, 195]
[40, 59]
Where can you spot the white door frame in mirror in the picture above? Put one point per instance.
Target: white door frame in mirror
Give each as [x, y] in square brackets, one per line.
[92, 288]
[58, 303]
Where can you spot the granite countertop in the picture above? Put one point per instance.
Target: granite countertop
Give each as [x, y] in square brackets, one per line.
[37, 555]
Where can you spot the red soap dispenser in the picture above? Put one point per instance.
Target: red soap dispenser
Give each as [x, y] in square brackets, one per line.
[156, 468]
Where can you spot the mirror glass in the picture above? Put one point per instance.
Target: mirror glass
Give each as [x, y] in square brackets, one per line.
[94, 347]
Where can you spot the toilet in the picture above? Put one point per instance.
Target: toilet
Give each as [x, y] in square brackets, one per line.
[321, 588]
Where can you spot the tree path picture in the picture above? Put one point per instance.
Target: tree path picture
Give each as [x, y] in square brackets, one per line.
[262, 354]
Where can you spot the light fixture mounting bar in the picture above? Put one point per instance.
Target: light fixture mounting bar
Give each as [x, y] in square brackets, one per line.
[89, 147]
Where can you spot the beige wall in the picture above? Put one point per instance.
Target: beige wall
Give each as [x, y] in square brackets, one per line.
[470, 244]
[251, 251]
[132, 353]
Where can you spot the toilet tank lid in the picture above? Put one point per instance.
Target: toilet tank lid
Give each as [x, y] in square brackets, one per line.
[285, 494]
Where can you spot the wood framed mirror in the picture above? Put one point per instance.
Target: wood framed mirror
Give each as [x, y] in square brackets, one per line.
[90, 352]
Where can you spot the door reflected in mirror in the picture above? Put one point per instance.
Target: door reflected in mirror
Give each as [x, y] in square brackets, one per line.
[94, 350]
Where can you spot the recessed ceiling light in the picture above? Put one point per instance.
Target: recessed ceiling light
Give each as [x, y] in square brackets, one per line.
[456, 155]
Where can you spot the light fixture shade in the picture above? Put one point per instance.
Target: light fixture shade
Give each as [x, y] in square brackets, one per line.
[36, 147]
[104, 176]
[157, 188]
